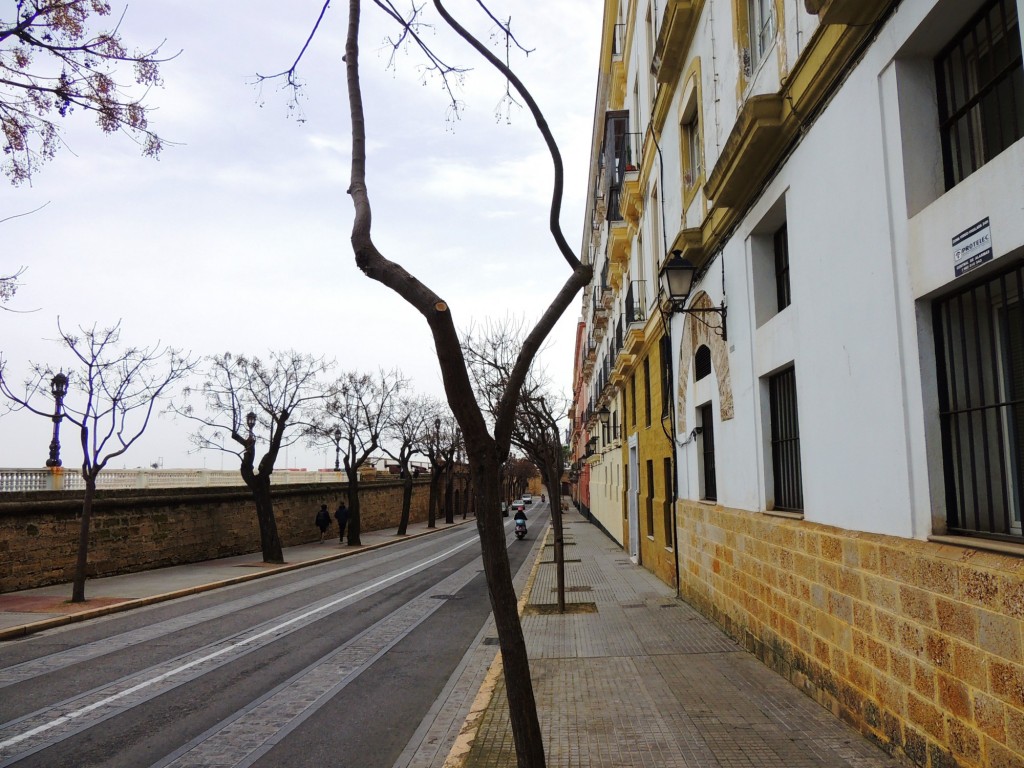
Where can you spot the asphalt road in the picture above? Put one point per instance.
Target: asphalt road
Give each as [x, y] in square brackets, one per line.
[336, 664]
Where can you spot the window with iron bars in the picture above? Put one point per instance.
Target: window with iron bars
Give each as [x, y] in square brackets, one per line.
[707, 421]
[979, 333]
[981, 90]
[786, 468]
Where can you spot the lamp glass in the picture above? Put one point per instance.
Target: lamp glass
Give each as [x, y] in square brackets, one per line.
[677, 277]
[604, 415]
[250, 419]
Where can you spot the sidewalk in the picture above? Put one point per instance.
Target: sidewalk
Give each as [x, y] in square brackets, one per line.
[631, 676]
[33, 610]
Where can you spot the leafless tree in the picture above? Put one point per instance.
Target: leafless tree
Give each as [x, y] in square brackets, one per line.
[487, 444]
[245, 397]
[53, 62]
[404, 438]
[361, 406]
[491, 352]
[433, 447]
[112, 391]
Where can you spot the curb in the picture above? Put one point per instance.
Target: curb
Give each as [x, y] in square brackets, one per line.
[466, 739]
[24, 630]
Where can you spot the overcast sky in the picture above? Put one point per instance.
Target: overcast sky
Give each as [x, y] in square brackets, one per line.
[237, 238]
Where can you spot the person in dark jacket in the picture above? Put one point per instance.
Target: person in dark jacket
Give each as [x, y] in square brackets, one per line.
[323, 521]
[342, 517]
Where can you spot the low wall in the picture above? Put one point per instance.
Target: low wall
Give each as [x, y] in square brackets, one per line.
[134, 530]
[918, 644]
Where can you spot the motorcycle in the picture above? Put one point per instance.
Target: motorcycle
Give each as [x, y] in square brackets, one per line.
[520, 529]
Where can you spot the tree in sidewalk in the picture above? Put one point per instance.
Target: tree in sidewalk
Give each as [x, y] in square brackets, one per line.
[403, 439]
[361, 406]
[55, 63]
[491, 353]
[245, 397]
[487, 444]
[110, 396]
[432, 447]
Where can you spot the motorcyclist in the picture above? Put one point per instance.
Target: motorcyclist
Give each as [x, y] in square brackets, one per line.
[520, 517]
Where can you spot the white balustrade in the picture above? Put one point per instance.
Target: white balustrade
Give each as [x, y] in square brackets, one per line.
[70, 479]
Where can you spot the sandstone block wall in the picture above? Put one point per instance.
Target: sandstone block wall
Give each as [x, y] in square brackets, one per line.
[136, 530]
[919, 644]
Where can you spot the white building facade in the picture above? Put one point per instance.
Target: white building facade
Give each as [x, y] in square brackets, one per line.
[847, 179]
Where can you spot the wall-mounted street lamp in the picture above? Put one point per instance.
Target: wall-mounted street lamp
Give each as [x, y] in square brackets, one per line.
[337, 449]
[676, 278]
[58, 388]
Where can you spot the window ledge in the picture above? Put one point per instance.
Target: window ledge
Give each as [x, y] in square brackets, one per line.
[987, 545]
[783, 513]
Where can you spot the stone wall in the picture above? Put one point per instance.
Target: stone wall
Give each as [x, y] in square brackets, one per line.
[135, 530]
[918, 644]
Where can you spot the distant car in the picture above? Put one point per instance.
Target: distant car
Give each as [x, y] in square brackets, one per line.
[527, 498]
[518, 506]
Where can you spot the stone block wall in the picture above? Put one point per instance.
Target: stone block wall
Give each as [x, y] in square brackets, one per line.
[920, 645]
[135, 530]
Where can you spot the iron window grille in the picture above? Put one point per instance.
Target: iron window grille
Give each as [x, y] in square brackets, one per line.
[647, 391]
[702, 363]
[786, 469]
[979, 334]
[649, 501]
[780, 245]
[981, 90]
[666, 374]
[707, 435]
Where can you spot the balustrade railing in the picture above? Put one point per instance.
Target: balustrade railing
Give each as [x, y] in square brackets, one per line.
[66, 479]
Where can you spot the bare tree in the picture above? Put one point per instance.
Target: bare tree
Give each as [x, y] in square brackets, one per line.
[404, 438]
[361, 406]
[117, 388]
[433, 448]
[55, 63]
[244, 397]
[487, 444]
[491, 353]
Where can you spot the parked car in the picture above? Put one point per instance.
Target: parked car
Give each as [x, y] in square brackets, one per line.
[527, 499]
[517, 506]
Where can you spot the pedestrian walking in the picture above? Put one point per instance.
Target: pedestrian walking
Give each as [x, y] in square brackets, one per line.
[342, 517]
[323, 521]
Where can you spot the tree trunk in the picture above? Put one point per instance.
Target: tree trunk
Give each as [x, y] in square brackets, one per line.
[554, 497]
[353, 509]
[526, 731]
[449, 491]
[270, 540]
[435, 481]
[78, 583]
[403, 524]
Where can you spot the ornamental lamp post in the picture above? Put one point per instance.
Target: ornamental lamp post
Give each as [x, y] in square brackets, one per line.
[58, 388]
[337, 449]
[250, 421]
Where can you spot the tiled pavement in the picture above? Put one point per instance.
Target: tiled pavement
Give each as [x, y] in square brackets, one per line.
[629, 676]
[644, 680]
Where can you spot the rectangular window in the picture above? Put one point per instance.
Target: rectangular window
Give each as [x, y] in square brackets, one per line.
[670, 530]
[979, 334]
[632, 399]
[647, 391]
[665, 348]
[786, 472]
[761, 28]
[649, 501]
[780, 244]
[692, 152]
[707, 436]
[981, 90]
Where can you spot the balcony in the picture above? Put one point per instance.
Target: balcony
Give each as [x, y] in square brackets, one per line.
[635, 316]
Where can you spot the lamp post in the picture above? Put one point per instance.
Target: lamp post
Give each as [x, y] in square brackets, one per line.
[59, 388]
[337, 449]
[250, 421]
[676, 278]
